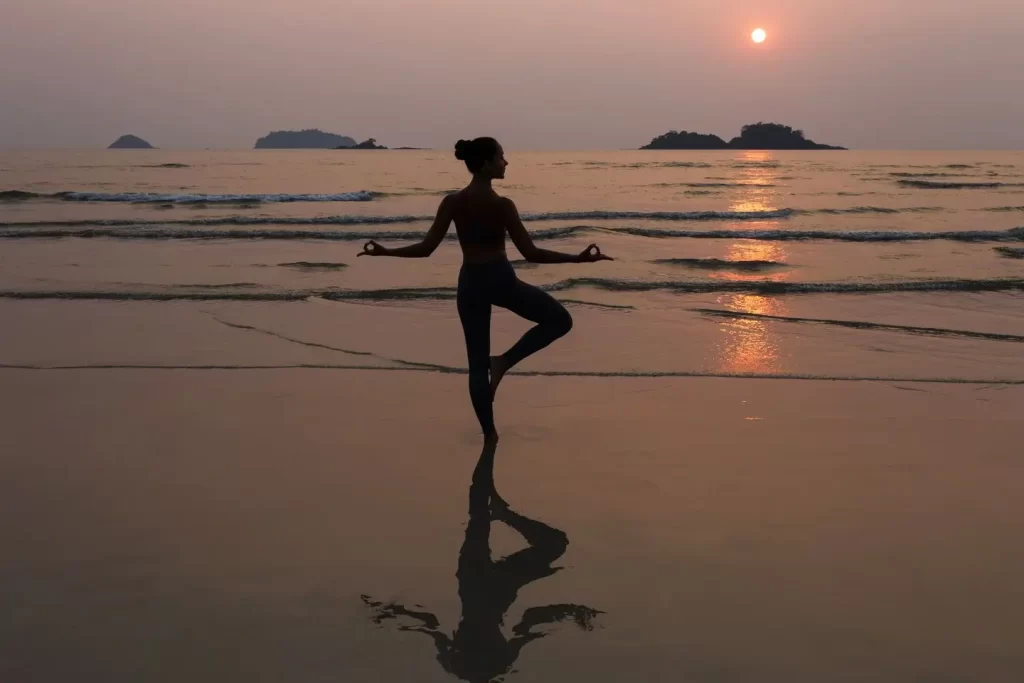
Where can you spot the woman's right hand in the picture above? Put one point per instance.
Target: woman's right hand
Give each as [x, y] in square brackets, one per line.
[592, 254]
[371, 248]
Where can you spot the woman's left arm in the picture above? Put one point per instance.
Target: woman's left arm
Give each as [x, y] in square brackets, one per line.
[430, 241]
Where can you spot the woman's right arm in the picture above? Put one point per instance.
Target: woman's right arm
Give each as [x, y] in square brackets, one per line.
[534, 254]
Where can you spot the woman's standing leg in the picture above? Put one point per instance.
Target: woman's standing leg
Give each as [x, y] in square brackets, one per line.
[475, 314]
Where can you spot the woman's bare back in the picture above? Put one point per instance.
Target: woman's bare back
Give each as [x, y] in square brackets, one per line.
[480, 217]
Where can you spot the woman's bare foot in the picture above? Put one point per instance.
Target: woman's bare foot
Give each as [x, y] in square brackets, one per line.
[499, 366]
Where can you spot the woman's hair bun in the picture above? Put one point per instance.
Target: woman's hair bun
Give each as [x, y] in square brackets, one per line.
[476, 153]
[463, 149]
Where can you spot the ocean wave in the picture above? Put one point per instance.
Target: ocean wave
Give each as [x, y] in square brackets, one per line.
[221, 293]
[925, 174]
[769, 287]
[595, 165]
[161, 295]
[134, 232]
[1011, 235]
[942, 185]
[1010, 252]
[681, 164]
[918, 166]
[1003, 209]
[148, 233]
[663, 164]
[721, 264]
[874, 209]
[660, 215]
[703, 185]
[415, 192]
[864, 325]
[310, 265]
[159, 198]
[18, 196]
[226, 221]
[608, 374]
[681, 216]
[765, 287]
[162, 166]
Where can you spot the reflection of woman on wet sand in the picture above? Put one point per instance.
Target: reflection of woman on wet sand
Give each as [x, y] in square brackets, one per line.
[482, 219]
[478, 651]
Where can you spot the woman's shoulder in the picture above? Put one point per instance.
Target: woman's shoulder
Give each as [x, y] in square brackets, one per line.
[504, 202]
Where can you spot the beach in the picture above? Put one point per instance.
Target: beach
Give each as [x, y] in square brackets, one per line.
[782, 439]
[222, 525]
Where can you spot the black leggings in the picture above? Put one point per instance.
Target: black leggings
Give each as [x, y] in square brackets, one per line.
[482, 285]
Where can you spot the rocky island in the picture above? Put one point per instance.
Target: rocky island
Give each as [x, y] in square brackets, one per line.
[130, 142]
[304, 139]
[365, 144]
[753, 136]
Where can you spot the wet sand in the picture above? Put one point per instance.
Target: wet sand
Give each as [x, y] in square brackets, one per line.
[222, 525]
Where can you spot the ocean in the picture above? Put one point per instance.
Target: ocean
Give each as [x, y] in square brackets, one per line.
[873, 265]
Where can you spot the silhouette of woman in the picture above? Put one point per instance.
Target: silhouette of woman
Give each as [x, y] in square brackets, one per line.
[482, 219]
[478, 651]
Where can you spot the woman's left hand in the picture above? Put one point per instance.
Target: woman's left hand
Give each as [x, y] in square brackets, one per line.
[371, 248]
[592, 254]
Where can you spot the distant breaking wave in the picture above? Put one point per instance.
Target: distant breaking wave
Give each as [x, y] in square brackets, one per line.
[221, 293]
[660, 215]
[867, 325]
[768, 287]
[720, 264]
[391, 220]
[19, 196]
[135, 232]
[1011, 235]
[314, 265]
[875, 209]
[933, 174]
[157, 198]
[943, 185]
[146, 233]
[355, 219]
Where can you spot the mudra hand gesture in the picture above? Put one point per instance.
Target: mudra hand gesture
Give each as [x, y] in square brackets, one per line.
[371, 248]
[592, 254]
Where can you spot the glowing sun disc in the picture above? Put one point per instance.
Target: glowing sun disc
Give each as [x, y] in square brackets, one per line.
[759, 35]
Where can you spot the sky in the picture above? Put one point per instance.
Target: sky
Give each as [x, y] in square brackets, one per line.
[537, 74]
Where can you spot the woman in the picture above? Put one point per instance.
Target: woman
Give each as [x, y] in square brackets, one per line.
[482, 218]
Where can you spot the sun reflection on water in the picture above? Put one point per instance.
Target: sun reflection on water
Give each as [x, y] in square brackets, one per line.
[748, 345]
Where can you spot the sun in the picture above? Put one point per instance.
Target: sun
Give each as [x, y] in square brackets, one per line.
[759, 35]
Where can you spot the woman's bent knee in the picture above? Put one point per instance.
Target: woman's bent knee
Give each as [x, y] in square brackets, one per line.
[563, 323]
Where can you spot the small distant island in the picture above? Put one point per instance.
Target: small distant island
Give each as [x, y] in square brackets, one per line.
[365, 144]
[304, 139]
[752, 136]
[130, 142]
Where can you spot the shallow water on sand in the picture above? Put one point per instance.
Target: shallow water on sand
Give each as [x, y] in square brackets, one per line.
[781, 262]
